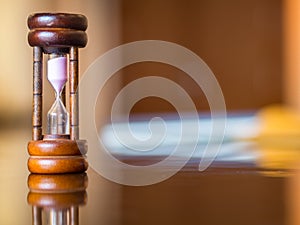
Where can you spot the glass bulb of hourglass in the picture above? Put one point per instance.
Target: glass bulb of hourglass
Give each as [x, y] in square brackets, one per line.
[57, 117]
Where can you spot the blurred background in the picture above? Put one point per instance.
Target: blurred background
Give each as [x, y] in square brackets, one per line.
[252, 47]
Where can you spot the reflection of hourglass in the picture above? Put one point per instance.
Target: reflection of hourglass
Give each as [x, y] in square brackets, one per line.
[55, 199]
[58, 35]
[57, 117]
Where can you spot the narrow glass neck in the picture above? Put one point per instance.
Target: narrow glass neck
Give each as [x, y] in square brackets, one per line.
[58, 95]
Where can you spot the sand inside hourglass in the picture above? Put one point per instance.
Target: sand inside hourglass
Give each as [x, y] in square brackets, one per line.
[57, 73]
[58, 117]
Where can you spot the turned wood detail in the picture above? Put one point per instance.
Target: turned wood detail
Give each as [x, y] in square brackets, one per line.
[57, 164]
[73, 86]
[37, 104]
[57, 183]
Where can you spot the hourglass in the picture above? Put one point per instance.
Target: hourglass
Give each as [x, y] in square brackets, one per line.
[59, 150]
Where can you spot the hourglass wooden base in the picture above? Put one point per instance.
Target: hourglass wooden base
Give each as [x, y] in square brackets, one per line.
[57, 154]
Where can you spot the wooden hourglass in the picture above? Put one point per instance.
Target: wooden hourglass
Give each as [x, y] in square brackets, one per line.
[57, 35]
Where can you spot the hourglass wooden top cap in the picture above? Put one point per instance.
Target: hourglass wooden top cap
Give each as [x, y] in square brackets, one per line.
[57, 30]
[57, 20]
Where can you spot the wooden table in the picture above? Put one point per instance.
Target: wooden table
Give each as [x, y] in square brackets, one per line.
[226, 193]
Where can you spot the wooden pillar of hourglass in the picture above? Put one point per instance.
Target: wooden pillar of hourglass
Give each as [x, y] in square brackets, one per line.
[56, 33]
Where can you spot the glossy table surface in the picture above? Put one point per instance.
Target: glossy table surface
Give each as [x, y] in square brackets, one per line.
[226, 193]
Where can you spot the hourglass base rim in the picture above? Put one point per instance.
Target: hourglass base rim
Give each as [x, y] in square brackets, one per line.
[57, 164]
[57, 147]
[57, 183]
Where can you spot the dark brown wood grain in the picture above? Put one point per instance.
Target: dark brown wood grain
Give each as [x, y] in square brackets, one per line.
[57, 38]
[57, 20]
[57, 32]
